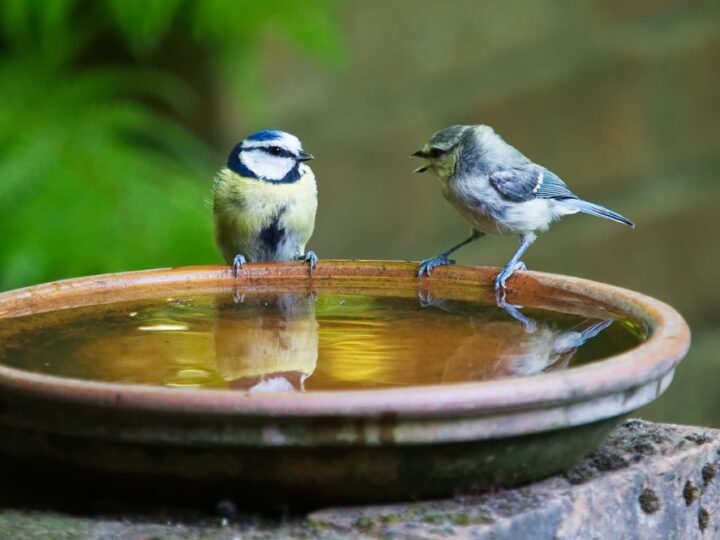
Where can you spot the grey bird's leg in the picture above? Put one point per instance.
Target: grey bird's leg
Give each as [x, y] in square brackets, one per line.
[237, 264]
[311, 259]
[515, 263]
[427, 265]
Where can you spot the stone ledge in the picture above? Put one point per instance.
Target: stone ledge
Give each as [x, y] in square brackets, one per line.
[648, 481]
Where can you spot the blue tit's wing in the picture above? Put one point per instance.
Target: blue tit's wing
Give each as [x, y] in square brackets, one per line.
[527, 183]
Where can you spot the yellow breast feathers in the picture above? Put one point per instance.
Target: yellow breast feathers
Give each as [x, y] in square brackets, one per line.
[264, 221]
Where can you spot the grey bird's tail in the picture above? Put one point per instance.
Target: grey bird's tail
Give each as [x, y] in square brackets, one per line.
[601, 211]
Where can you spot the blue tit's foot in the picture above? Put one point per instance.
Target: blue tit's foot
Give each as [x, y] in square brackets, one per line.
[506, 272]
[312, 260]
[427, 265]
[237, 264]
[529, 325]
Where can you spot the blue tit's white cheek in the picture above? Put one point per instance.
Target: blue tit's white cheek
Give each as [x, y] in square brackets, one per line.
[267, 166]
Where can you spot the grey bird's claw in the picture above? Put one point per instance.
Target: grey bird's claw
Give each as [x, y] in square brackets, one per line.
[312, 260]
[237, 264]
[427, 265]
[505, 274]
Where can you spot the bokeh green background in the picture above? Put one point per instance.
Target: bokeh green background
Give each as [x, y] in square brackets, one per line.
[115, 114]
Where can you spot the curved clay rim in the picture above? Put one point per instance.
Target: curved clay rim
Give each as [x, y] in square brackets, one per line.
[654, 360]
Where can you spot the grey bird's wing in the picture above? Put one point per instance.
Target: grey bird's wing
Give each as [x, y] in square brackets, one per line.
[527, 183]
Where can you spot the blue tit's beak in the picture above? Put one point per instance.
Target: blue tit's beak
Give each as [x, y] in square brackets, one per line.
[424, 155]
[304, 156]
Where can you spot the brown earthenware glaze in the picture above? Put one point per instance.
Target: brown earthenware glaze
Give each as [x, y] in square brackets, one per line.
[334, 446]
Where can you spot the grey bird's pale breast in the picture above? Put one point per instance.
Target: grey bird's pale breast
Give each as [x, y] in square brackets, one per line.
[487, 211]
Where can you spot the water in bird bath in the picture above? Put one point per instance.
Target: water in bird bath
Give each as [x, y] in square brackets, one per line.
[276, 342]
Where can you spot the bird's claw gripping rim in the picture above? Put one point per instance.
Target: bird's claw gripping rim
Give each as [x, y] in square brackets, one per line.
[505, 274]
[312, 261]
[427, 265]
[237, 264]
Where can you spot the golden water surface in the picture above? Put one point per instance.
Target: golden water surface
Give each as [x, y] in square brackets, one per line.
[300, 342]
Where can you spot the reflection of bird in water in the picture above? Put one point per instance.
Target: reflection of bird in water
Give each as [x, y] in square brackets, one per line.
[500, 348]
[267, 344]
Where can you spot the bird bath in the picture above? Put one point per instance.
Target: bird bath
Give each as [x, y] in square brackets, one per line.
[356, 385]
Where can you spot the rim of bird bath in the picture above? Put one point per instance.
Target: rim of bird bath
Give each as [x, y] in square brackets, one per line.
[456, 412]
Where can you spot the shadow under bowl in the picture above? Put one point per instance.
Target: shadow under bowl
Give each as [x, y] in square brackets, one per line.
[331, 447]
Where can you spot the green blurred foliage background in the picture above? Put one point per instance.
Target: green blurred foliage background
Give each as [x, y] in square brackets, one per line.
[115, 114]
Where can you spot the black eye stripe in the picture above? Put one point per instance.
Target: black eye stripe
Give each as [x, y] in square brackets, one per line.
[276, 151]
[270, 150]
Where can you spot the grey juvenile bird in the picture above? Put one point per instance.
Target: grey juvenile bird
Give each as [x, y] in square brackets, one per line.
[498, 190]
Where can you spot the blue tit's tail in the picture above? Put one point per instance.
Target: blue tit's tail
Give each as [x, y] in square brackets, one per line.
[600, 211]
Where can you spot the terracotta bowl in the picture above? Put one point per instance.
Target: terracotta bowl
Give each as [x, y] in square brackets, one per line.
[332, 446]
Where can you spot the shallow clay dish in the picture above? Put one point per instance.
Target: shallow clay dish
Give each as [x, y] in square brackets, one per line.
[333, 446]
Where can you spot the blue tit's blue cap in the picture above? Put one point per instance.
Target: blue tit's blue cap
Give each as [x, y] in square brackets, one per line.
[265, 135]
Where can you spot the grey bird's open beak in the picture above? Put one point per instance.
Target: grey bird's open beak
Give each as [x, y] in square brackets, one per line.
[304, 156]
[420, 154]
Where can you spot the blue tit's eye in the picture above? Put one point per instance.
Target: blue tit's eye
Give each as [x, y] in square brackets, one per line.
[435, 153]
[275, 150]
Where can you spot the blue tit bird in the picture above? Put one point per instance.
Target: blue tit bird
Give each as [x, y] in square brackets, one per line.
[265, 200]
[498, 190]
